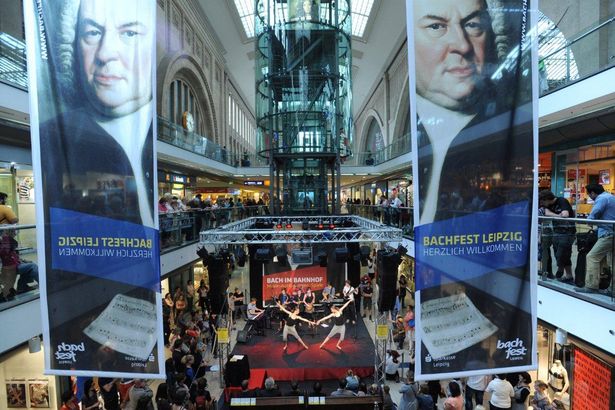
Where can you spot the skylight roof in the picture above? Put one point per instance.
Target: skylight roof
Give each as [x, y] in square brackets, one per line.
[361, 10]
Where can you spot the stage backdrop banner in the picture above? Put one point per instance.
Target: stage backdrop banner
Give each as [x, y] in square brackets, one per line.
[314, 277]
[91, 66]
[472, 72]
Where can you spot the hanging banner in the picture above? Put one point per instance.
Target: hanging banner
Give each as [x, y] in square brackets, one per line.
[92, 76]
[312, 277]
[474, 125]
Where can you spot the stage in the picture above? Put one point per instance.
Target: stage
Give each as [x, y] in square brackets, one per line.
[266, 353]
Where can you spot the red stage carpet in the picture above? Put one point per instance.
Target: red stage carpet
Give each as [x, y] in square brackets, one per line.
[266, 352]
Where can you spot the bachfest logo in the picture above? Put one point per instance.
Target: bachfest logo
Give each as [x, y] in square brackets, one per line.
[67, 353]
[515, 350]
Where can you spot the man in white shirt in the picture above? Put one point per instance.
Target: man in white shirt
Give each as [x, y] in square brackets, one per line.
[475, 390]
[501, 391]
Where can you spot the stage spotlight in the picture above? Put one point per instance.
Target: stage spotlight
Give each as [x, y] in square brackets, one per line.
[322, 258]
[320, 226]
[289, 225]
[305, 225]
[331, 226]
[278, 226]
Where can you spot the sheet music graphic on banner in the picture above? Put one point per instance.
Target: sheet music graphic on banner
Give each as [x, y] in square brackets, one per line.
[92, 66]
[127, 325]
[451, 324]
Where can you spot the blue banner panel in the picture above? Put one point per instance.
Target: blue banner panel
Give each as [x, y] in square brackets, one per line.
[91, 66]
[472, 69]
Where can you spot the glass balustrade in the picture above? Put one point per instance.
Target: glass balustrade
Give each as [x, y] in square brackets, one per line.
[575, 257]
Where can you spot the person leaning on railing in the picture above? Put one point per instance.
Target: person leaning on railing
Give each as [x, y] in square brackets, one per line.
[603, 209]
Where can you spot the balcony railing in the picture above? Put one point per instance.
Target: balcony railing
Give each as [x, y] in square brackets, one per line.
[399, 147]
[563, 62]
[13, 67]
[401, 217]
[177, 136]
[565, 260]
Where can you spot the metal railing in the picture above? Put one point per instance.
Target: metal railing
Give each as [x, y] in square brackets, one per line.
[576, 257]
[177, 136]
[559, 66]
[13, 67]
[401, 217]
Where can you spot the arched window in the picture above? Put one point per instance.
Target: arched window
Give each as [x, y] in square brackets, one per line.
[557, 64]
[181, 99]
[374, 140]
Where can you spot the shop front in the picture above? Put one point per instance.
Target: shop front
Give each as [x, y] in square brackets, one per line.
[181, 186]
[577, 374]
[574, 169]
[23, 383]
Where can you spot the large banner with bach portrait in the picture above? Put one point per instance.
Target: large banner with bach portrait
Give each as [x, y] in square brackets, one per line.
[473, 73]
[92, 71]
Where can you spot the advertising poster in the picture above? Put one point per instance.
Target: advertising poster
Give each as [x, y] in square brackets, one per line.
[592, 380]
[16, 395]
[313, 277]
[474, 127]
[92, 76]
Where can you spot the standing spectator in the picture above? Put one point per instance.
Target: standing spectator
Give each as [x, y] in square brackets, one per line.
[189, 295]
[203, 292]
[454, 401]
[69, 401]
[403, 289]
[522, 392]
[89, 400]
[501, 393]
[240, 310]
[545, 235]
[475, 389]
[409, 328]
[564, 232]
[424, 399]
[409, 393]
[603, 209]
[399, 332]
[387, 401]
[395, 205]
[138, 396]
[109, 393]
[7, 216]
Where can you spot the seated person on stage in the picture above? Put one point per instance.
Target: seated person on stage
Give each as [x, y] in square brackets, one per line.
[256, 316]
[308, 302]
[294, 389]
[317, 390]
[392, 365]
[293, 300]
[283, 297]
[342, 391]
[328, 293]
[270, 390]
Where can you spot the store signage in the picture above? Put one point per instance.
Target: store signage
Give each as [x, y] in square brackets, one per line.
[254, 183]
[100, 271]
[591, 381]
[473, 153]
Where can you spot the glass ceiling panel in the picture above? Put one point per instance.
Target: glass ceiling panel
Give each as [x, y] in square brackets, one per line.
[361, 10]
